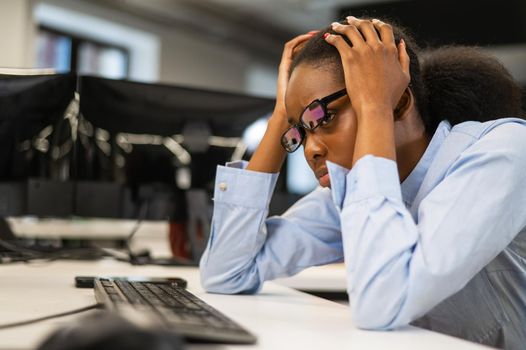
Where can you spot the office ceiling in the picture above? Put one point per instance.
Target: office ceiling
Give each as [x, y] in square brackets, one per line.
[294, 16]
[259, 26]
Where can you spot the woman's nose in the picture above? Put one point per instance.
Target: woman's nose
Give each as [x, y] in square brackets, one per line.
[314, 147]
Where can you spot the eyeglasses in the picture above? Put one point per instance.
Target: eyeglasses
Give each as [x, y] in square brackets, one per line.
[314, 115]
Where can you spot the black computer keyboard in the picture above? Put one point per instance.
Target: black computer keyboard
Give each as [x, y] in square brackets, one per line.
[172, 306]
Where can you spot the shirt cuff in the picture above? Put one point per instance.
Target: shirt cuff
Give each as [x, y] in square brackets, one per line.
[238, 164]
[235, 185]
[370, 177]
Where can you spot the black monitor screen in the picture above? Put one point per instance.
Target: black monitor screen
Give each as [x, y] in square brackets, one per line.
[159, 140]
[29, 105]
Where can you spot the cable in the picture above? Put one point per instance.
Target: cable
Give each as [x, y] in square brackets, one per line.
[142, 215]
[28, 255]
[17, 249]
[133, 258]
[146, 259]
[49, 317]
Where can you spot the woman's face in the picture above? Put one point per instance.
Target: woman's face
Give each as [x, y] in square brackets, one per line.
[333, 141]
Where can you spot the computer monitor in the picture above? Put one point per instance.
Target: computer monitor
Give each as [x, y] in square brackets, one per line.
[29, 104]
[121, 146]
[159, 140]
[32, 128]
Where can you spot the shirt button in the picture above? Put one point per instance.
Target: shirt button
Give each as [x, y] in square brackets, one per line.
[222, 186]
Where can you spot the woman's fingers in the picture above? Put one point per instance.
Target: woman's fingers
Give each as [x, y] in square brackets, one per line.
[339, 42]
[385, 30]
[371, 32]
[290, 46]
[351, 32]
[403, 57]
[378, 66]
[367, 29]
[360, 34]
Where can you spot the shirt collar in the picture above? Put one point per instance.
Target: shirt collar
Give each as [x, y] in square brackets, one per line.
[412, 183]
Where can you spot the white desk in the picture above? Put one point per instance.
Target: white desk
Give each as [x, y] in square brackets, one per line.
[327, 278]
[280, 317]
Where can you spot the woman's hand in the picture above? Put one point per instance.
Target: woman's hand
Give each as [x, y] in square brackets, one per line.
[289, 51]
[269, 155]
[376, 74]
[376, 69]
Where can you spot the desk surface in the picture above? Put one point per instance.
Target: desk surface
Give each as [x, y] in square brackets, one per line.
[327, 278]
[281, 318]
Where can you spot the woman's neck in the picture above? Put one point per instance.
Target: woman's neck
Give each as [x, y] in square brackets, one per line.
[409, 154]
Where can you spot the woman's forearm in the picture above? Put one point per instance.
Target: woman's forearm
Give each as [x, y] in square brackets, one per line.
[375, 134]
[270, 155]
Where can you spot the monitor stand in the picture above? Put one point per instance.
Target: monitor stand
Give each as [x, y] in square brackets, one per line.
[5, 231]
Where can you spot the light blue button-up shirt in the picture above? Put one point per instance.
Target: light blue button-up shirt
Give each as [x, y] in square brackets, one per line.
[445, 249]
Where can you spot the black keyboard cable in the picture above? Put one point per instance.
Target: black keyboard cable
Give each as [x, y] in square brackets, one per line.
[49, 317]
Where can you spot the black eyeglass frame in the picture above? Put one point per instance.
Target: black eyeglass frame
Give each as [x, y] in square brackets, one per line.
[301, 126]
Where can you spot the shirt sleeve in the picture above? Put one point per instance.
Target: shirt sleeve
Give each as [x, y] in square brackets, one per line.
[246, 247]
[399, 269]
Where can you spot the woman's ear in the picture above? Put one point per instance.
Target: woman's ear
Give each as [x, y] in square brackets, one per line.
[404, 105]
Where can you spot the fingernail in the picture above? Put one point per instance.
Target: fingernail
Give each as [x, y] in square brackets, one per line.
[351, 18]
[313, 32]
[402, 42]
[334, 24]
[325, 35]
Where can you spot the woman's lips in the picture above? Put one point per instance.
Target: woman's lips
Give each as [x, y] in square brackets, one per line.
[322, 174]
[324, 180]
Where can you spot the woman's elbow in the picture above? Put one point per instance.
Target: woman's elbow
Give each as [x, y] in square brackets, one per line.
[213, 284]
[228, 283]
[376, 314]
[369, 321]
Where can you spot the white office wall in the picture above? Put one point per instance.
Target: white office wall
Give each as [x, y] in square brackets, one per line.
[191, 60]
[17, 39]
[184, 57]
[197, 60]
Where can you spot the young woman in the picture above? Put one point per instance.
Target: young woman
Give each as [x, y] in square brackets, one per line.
[422, 173]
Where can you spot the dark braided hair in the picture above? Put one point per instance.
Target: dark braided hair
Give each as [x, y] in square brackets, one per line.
[454, 83]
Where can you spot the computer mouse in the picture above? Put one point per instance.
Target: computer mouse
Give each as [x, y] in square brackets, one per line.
[109, 331]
